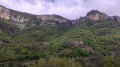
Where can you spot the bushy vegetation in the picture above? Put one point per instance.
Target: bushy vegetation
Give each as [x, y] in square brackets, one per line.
[76, 52]
[110, 62]
[4, 36]
[94, 40]
[57, 62]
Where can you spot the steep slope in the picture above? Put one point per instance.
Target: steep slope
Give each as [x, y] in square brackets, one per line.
[30, 20]
[93, 40]
[14, 22]
[95, 15]
[85, 43]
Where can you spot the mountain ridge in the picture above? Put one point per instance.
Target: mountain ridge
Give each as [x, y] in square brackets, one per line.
[25, 21]
[10, 14]
[92, 40]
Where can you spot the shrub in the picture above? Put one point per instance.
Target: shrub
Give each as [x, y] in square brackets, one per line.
[36, 55]
[76, 52]
[109, 62]
[57, 62]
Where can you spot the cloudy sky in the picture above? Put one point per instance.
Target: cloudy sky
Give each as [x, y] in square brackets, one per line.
[71, 9]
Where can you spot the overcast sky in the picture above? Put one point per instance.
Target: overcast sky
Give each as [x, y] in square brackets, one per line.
[71, 9]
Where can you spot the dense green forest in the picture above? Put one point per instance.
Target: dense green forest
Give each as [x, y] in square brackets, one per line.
[95, 44]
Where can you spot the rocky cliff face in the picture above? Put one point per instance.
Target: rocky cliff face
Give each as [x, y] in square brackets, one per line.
[24, 20]
[4, 13]
[114, 18]
[53, 18]
[96, 15]
[25, 17]
[20, 16]
[14, 15]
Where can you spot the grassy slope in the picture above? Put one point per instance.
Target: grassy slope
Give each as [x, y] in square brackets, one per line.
[93, 39]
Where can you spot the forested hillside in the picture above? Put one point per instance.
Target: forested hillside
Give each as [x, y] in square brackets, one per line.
[54, 41]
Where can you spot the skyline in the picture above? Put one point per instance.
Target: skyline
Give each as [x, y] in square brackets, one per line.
[69, 9]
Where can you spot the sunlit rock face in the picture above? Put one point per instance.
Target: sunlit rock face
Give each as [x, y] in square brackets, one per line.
[96, 15]
[25, 17]
[52, 17]
[4, 13]
[26, 20]
[14, 15]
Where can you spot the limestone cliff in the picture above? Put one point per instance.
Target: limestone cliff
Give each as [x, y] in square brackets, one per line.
[25, 17]
[14, 15]
[29, 20]
[23, 20]
[52, 17]
[4, 13]
[96, 15]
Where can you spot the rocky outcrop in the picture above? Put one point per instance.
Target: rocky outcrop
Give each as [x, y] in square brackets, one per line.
[19, 17]
[4, 13]
[30, 20]
[53, 18]
[23, 20]
[114, 18]
[25, 17]
[96, 15]
[14, 15]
